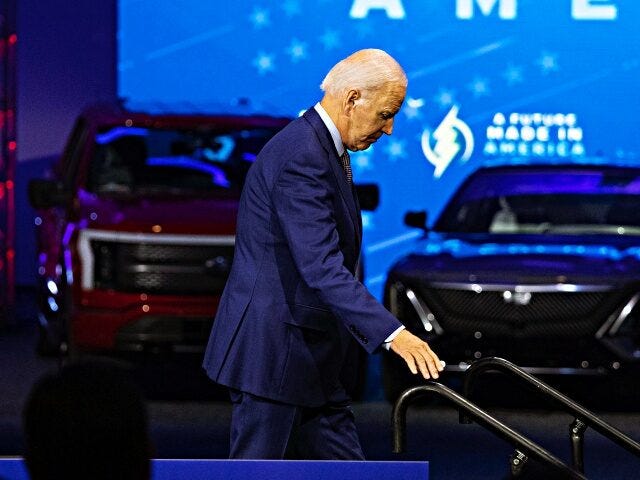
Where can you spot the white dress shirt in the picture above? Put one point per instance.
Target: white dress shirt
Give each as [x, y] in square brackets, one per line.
[337, 140]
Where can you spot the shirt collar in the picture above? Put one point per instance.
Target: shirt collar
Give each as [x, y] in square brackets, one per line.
[333, 130]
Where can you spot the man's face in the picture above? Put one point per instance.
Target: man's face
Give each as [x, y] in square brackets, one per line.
[370, 119]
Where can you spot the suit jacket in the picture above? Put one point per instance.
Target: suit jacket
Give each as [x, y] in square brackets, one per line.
[292, 310]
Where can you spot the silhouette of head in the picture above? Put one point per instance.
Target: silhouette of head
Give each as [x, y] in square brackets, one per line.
[87, 421]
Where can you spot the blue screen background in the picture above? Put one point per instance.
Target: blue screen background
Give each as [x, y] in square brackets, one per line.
[270, 57]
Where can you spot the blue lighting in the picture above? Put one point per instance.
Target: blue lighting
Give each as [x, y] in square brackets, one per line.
[218, 176]
[463, 249]
[52, 287]
[52, 304]
[543, 82]
[119, 132]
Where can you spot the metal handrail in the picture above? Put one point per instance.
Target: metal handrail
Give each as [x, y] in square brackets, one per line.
[482, 418]
[582, 415]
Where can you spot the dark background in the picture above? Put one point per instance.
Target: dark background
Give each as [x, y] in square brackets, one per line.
[66, 59]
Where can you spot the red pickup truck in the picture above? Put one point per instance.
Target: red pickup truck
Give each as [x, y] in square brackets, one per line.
[135, 231]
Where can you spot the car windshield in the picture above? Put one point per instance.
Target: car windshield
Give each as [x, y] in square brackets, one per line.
[562, 201]
[131, 160]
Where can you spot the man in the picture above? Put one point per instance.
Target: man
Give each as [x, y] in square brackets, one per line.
[293, 311]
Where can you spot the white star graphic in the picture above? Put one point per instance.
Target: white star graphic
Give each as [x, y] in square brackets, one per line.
[395, 150]
[291, 8]
[412, 107]
[513, 74]
[260, 18]
[361, 160]
[330, 39]
[548, 62]
[264, 63]
[444, 98]
[479, 87]
[297, 50]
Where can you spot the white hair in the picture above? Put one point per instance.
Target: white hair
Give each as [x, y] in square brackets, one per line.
[365, 70]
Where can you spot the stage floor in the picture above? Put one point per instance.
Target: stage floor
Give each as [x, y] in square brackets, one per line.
[196, 425]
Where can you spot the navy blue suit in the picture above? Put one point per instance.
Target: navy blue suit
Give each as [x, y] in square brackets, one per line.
[292, 311]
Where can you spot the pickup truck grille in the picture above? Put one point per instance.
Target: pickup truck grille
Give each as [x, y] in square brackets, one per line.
[564, 314]
[162, 268]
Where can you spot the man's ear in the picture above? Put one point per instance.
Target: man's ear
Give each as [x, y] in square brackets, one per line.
[350, 101]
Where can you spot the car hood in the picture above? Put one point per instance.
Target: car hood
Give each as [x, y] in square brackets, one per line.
[523, 259]
[155, 214]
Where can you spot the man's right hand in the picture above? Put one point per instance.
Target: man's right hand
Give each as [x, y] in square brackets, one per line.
[417, 354]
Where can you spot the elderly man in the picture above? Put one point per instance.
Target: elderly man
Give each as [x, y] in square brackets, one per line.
[293, 312]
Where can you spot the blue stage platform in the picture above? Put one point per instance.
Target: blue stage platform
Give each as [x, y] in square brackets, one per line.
[14, 469]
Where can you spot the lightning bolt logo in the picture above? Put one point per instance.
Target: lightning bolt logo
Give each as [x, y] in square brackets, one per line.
[447, 145]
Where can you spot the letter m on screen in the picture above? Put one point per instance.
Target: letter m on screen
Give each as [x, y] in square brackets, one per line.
[506, 8]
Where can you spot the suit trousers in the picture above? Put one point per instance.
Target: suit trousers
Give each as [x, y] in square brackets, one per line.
[266, 429]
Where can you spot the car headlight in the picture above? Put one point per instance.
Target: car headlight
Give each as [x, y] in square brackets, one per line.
[411, 310]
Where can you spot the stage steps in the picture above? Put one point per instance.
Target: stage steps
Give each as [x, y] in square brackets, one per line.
[524, 447]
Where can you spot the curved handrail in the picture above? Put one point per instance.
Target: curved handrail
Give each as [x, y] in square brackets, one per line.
[528, 447]
[500, 364]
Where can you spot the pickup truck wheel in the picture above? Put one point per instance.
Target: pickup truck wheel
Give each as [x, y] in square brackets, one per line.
[47, 345]
[68, 347]
[51, 333]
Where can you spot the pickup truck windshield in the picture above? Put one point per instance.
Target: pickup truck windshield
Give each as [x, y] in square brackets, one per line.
[131, 160]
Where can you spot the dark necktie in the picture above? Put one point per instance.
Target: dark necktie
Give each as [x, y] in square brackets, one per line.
[346, 166]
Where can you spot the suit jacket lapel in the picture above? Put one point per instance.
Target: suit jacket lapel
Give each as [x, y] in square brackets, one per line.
[346, 190]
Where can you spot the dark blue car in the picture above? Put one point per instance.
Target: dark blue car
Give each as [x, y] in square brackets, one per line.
[536, 264]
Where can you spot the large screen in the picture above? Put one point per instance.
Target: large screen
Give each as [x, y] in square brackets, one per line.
[490, 81]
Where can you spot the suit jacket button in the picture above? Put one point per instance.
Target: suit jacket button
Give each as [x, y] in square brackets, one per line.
[352, 328]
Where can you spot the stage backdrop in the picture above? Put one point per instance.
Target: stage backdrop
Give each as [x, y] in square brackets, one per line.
[490, 81]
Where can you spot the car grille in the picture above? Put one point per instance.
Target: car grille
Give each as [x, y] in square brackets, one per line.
[565, 314]
[161, 268]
